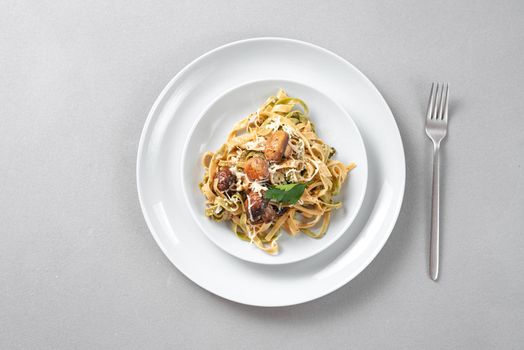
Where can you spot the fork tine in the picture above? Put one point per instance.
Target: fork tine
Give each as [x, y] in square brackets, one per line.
[438, 97]
[442, 101]
[445, 117]
[431, 101]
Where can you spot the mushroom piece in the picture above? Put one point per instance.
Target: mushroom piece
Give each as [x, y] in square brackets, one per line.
[258, 209]
[269, 214]
[226, 179]
[255, 206]
[288, 151]
[256, 168]
[276, 145]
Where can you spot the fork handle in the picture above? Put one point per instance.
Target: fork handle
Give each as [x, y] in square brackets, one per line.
[435, 209]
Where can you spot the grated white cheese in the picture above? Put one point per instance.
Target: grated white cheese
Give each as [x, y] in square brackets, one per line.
[249, 205]
[233, 199]
[291, 174]
[288, 129]
[241, 176]
[256, 145]
[236, 172]
[273, 168]
[274, 125]
[293, 163]
[218, 209]
[258, 187]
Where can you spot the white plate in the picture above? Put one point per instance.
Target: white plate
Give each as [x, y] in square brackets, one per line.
[332, 123]
[159, 161]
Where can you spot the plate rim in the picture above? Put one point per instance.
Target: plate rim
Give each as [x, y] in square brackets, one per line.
[388, 229]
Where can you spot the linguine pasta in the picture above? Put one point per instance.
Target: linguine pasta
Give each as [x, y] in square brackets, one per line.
[273, 173]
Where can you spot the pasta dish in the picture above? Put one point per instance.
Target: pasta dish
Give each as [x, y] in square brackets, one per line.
[273, 174]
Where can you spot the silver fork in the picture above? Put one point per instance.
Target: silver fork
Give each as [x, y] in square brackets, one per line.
[436, 129]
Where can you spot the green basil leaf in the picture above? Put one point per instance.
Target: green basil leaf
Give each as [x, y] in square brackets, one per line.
[285, 187]
[288, 193]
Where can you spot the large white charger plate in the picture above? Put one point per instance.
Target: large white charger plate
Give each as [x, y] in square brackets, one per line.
[159, 171]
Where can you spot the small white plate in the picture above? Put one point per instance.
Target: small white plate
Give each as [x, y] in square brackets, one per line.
[159, 163]
[333, 125]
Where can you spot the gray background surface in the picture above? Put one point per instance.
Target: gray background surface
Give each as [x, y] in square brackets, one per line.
[78, 267]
